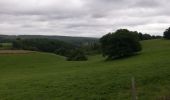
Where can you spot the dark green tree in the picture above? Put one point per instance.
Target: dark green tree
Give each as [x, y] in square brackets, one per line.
[167, 33]
[1, 45]
[119, 44]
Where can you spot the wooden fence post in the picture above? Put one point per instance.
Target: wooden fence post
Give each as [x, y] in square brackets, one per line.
[134, 94]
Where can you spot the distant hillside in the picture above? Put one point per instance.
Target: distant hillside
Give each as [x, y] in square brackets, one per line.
[77, 40]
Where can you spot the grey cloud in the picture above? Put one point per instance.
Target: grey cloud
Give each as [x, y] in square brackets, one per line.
[82, 17]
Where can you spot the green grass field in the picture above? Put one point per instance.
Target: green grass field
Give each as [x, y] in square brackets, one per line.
[43, 76]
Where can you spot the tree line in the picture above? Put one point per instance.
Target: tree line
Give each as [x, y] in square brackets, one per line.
[44, 45]
[148, 36]
[72, 52]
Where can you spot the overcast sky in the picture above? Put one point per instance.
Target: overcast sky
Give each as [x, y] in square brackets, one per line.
[90, 18]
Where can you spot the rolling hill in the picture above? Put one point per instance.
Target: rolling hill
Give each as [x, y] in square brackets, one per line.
[45, 76]
[74, 40]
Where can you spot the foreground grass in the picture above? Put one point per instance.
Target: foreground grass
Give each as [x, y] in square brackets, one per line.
[43, 76]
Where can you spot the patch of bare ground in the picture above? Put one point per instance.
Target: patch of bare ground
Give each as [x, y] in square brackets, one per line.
[15, 51]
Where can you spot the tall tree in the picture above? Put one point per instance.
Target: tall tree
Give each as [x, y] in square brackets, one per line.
[120, 44]
[167, 33]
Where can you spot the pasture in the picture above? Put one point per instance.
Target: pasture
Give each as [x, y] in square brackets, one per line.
[45, 76]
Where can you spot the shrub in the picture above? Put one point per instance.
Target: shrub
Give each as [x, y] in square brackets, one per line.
[77, 55]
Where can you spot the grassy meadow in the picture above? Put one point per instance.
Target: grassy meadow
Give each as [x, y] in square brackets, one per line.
[45, 76]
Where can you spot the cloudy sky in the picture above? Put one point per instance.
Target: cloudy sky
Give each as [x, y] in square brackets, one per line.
[90, 18]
